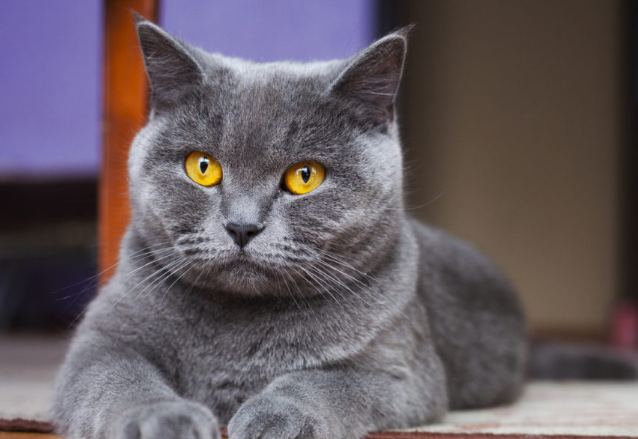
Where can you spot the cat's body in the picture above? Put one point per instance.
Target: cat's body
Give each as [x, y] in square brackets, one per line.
[340, 316]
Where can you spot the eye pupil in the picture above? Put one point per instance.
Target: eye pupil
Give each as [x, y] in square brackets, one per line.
[203, 164]
[305, 174]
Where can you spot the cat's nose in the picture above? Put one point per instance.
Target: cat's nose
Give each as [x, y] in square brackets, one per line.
[243, 233]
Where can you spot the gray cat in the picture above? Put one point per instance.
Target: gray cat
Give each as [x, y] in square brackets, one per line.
[270, 279]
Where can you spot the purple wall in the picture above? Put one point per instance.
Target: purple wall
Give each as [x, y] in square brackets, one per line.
[50, 64]
[50, 74]
[273, 30]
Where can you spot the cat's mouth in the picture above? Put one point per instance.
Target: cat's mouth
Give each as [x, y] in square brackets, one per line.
[247, 275]
[244, 271]
[245, 262]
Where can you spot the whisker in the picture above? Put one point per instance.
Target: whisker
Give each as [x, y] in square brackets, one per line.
[407, 209]
[127, 276]
[354, 279]
[337, 282]
[195, 283]
[156, 284]
[96, 276]
[129, 290]
[178, 278]
[279, 275]
[314, 281]
[336, 259]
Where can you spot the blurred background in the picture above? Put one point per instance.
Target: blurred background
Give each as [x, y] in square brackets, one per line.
[518, 120]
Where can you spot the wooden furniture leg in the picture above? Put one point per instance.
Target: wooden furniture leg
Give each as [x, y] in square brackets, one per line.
[125, 108]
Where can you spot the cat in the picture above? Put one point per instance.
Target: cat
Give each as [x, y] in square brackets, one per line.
[271, 279]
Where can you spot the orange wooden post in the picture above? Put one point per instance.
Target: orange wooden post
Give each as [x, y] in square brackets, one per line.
[125, 109]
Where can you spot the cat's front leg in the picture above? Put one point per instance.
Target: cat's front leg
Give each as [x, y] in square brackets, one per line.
[339, 404]
[178, 419]
[109, 390]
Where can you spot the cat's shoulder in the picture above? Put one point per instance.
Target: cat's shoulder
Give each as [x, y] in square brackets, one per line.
[432, 239]
[441, 250]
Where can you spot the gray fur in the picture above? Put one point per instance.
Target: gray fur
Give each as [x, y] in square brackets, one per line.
[343, 316]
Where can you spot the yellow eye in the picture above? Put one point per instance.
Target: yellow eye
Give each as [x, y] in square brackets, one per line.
[304, 177]
[203, 169]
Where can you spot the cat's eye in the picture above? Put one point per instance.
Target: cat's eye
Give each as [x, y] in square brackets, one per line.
[304, 177]
[203, 169]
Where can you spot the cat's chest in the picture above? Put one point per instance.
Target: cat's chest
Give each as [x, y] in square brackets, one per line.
[224, 361]
[263, 345]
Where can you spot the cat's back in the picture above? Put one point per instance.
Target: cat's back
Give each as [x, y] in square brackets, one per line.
[457, 271]
[477, 321]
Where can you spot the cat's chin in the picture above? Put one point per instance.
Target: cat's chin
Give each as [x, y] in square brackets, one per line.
[242, 273]
[246, 278]
[245, 282]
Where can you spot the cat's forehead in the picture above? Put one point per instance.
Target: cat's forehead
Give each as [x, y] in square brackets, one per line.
[273, 87]
[274, 111]
[251, 71]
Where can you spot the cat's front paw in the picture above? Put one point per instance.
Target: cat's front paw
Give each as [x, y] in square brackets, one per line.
[276, 417]
[169, 420]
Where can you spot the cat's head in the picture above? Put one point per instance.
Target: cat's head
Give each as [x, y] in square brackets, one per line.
[262, 178]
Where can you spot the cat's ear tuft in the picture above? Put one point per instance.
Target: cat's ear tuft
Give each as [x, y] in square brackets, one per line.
[372, 78]
[138, 17]
[405, 31]
[171, 68]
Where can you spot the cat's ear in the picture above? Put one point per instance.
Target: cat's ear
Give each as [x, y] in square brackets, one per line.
[372, 78]
[170, 67]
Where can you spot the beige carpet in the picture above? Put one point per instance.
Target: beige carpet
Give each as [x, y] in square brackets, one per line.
[28, 365]
[555, 408]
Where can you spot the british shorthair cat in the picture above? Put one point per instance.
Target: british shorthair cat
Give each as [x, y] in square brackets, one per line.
[270, 279]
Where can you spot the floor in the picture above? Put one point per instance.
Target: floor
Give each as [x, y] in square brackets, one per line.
[10, 435]
[28, 365]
